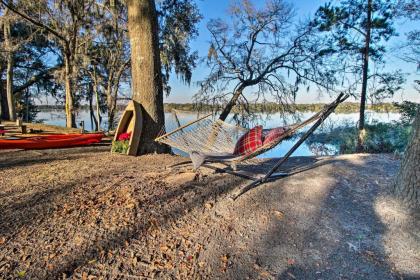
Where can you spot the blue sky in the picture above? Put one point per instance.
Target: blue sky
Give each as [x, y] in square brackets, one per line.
[304, 8]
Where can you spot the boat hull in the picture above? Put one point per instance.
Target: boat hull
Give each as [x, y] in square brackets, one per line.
[131, 121]
[51, 141]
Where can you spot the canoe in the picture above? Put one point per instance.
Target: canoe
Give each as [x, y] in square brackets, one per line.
[53, 141]
[131, 123]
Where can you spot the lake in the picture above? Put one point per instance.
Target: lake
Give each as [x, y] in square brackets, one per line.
[57, 117]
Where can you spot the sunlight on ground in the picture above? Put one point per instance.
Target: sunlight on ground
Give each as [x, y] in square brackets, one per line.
[400, 240]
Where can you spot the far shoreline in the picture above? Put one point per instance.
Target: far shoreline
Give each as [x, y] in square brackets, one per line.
[347, 107]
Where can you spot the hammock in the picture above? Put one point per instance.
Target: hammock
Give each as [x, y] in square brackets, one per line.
[207, 140]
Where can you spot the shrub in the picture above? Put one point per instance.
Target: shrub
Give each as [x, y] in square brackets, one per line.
[380, 138]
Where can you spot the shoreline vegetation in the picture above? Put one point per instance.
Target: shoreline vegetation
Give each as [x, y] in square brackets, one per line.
[271, 107]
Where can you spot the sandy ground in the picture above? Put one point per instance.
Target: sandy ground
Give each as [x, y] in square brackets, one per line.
[83, 213]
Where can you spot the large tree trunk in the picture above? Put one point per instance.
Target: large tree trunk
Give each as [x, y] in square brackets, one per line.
[361, 134]
[9, 69]
[407, 183]
[70, 117]
[146, 72]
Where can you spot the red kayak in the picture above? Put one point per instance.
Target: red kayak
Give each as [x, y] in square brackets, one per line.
[51, 141]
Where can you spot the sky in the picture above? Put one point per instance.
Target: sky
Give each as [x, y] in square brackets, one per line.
[211, 9]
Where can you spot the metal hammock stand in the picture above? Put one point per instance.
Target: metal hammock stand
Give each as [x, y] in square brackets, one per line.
[214, 141]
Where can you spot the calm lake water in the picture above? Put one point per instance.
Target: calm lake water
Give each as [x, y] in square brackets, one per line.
[57, 117]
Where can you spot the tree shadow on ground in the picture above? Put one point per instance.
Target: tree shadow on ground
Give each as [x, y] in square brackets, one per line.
[161, 219]
[22, 158]
[335, 216]
[331, 228]
[150, 210]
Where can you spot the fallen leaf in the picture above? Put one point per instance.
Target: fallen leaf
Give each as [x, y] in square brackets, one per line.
[21, 273]
[279, 214]
[224, 258]
[265, 274]
[2, 240]
[164, 248]
[291, 261]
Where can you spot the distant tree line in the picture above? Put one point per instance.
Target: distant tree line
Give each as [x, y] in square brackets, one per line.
[271, 107]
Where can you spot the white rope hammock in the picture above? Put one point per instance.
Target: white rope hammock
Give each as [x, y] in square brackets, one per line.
[206, 136]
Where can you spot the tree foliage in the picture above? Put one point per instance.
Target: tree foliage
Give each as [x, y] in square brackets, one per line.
[263, 51]
[78, 49]
[178, 21]
[358, 30]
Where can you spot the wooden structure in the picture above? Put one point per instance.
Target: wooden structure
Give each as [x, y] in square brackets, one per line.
[131, 121]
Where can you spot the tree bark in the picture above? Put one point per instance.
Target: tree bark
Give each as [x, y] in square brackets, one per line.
[1, 95]
[361, 134]
[9, 69]
[70, 117]
[146, 72]
[407, 183]
[1, 83]
[231, 103]
[93, 120]
[98, 111]
[111, 101]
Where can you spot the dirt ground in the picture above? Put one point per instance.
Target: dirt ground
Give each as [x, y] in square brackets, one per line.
[83, 213]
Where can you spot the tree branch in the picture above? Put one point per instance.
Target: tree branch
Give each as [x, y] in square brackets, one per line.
[34, 22]
[35, 78]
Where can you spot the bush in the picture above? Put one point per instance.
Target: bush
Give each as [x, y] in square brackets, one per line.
[380, 138]
[408, 111]
[120, 146]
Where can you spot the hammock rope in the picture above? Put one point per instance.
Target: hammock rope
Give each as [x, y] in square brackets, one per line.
[207, 136]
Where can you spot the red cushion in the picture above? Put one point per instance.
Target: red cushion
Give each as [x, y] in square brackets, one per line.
[274, 134]
[249, 142]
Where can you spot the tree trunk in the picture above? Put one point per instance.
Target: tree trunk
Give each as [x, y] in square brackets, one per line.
[93, 121]
[70, 117]
[27, 106]
[98, 111]
[362, 132]
[407, 183]
[231, 103]
[146, 72]
[1, 97]
[9, 69]
[111, 100]
[1, 83]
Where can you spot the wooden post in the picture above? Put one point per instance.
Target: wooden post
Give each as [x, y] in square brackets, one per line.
[82, 126]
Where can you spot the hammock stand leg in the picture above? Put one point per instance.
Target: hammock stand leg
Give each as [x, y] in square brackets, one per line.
[270, 174]
[232, 172]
